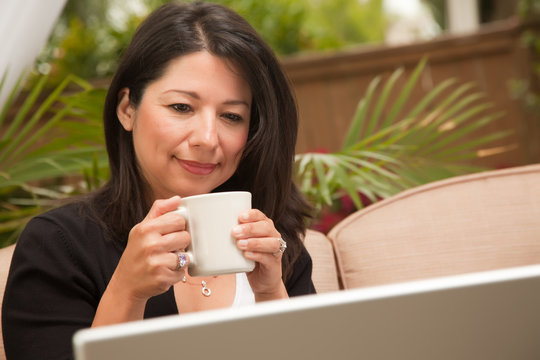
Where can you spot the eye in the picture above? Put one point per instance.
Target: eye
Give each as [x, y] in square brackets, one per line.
[181, 108]
[232, 117]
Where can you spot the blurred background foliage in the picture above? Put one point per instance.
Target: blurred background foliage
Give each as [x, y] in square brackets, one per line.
[51, 148]
[90, 35]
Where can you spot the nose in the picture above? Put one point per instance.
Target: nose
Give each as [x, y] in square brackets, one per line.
[204, 132]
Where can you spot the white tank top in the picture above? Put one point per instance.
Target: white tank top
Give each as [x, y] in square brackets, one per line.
[244, 295]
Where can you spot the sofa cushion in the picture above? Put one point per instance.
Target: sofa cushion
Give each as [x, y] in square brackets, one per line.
[5, 261]
[469, 223]
[324, 265]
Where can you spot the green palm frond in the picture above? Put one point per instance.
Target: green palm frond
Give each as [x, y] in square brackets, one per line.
[387, 150]
[53, 134]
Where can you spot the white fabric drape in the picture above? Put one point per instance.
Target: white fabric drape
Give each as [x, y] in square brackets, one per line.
[462, 16]
[25, 26]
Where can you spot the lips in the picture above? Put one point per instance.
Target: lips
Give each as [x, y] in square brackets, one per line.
[197, 168]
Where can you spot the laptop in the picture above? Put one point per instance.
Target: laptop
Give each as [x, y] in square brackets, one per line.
[487, 315]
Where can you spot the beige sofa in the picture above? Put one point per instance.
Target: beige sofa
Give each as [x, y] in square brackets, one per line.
[469, 223]
[5, 261]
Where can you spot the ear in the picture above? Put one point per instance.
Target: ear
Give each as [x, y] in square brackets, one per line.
[124, 110]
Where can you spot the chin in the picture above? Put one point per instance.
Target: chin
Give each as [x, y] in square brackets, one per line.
[196, 191]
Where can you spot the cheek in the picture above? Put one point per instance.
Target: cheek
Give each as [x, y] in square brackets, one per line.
[150, 128]
[147, 120]
[237, 145]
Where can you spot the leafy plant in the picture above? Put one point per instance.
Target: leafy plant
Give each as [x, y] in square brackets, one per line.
[89, 36]
[48, 138]
[387, 149]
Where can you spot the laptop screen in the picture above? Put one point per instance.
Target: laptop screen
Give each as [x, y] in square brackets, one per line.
[488, 315]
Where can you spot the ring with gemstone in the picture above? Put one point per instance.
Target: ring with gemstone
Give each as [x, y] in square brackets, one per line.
[182, 261]
[282, 247]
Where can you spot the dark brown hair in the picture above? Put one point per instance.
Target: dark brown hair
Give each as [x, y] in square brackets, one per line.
[265, 169]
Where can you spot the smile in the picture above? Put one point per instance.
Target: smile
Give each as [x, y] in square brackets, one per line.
[197, 168]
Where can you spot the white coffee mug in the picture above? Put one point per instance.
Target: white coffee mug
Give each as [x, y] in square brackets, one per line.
[209, 220]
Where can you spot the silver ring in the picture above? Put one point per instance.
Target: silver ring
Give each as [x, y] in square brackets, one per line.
[282, 247]
[182, 261]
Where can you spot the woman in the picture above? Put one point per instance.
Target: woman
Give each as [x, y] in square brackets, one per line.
[198, 104]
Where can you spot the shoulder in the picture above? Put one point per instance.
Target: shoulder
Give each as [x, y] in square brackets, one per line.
[65, 240]
[70, 218]
[71, 215]
[68, 226]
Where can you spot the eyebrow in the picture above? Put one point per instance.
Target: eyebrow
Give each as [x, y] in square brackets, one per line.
[196, 96]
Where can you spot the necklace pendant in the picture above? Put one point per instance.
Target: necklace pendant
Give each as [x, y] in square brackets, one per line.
[205, 290]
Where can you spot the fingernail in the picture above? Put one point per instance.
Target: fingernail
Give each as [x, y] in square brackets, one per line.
[244, 216]
[242, 244]
[237, 230]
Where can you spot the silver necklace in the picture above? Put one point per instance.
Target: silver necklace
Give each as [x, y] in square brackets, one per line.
[205, 289]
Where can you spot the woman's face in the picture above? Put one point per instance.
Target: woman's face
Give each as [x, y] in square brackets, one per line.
[191, 126]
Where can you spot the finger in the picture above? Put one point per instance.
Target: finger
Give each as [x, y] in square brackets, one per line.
[175, 241]
[254, 223]
[251, 215]
[271, 245]
[267, 260]
[181, 260]
[262, 228]
[173, 261]
[170, 222]
[164, 270]
[156, 228]
[163, 206]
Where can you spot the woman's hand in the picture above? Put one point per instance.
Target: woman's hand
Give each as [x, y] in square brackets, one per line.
[259, 240]
[148, 265]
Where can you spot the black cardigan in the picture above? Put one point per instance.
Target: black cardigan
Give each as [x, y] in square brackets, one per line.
[60, 268]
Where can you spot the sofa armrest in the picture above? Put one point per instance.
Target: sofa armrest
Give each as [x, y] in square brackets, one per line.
[5, 262]
[324, 264]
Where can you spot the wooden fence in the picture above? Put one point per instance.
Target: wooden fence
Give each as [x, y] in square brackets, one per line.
[328, 87]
